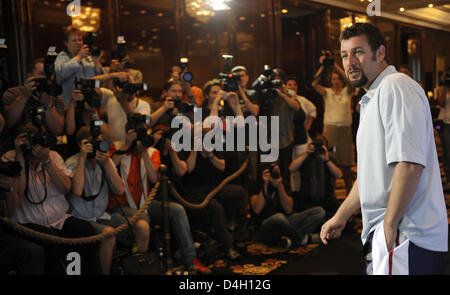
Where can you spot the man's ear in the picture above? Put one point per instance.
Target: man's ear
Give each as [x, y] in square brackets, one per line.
[381, 53]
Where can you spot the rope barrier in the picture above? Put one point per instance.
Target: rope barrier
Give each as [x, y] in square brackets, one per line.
[99, 237]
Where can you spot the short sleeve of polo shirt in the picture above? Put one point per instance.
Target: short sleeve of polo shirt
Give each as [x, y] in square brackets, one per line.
[404, 118]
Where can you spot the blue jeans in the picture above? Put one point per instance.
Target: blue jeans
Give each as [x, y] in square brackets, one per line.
[295, 226]
[179, 227]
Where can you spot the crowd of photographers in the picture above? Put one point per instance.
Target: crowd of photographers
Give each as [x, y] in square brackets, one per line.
[81, 150]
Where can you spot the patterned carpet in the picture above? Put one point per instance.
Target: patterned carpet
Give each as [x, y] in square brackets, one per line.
[259, 259]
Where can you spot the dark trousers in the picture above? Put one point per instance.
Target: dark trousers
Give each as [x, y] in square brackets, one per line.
[285, 159]
[234, 199]
[23, 256]
[56, 254]
[420, 261]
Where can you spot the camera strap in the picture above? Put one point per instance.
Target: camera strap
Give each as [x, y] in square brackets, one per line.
[27, 170]
[93, 197]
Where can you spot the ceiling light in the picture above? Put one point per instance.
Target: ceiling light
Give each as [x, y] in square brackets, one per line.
[402, 9]
[430, 5]
[284, 11]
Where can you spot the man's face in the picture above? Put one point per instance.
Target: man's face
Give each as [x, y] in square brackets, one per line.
[244, 78]
[291, 84]
[361, 64]
[74, 43]
[38, 69]
[176, 91]
[214, 90]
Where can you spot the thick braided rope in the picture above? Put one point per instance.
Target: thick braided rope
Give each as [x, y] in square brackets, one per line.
[84, 240]
[212, 193]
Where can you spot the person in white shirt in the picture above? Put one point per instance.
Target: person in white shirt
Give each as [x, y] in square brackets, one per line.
[398, 188]
[338, 117]
[443, 98]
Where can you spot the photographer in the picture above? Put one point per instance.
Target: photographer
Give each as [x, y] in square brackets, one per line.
[43, 206]
[318, 174]
[191, 94]
[94, 175]
[277, 223]
[247, 98]
[77, 62]
[119, 64]
[20, 102]
[284, 106]
[443, 98]
[16, 253]
[338, 114]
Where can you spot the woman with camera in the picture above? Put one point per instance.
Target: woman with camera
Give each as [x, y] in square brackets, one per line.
[338, 114]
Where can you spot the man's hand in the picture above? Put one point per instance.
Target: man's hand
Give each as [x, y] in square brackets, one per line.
[130, 138]
[20, 140]
[390, 235]
[85, 148]
[102, 158]
[84, 52]
[332, 229]
[28, 88]
[42, 153]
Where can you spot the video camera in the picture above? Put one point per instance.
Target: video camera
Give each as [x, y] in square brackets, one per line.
[48, 84]
[329, 59]
[98, 144]
[185, 75]
[134, 122]
[89, 41]
[230, 81]
[130, 88]
[87, 87]
[265, 84]
[319, 150]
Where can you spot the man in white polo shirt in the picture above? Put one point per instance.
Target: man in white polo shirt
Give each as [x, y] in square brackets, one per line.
[398, 189]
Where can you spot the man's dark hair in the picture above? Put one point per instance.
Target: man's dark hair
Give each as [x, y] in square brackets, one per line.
[373, 34]
[33, 63]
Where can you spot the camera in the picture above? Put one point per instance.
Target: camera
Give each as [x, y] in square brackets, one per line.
[318, 148]
[265, 84]
[185, 75]
[329, 60]
[130, 88]
[48, 84]
[121, 53]
[98, 144]
[89, 41]
[230, 81]
[44, 139]
[87, 87]
[183, 107]
[37, 114]
[271, 166]
[10, 168]
[134, 122]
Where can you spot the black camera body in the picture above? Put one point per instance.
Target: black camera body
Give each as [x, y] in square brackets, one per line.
[48, 84]
[271, 166]
[130, 88]
[230, 82]
[319, 150]
[97, 143]
[89, 41]
[37, 113]
[87, 87]
[183, 107]
[44, 139]
[122, 53]
[134, 122]
[266, 85]
[329, 59]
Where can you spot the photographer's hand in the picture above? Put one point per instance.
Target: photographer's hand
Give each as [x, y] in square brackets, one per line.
[20, 140]
[85, 148]
[84, 52]
[102, 158]
[42, 153]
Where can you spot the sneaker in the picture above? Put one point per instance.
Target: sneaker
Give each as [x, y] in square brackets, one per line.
[285, 242]
[199, 267]
[233, 254]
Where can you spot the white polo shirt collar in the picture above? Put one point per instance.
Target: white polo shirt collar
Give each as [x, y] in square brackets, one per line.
[373, 88]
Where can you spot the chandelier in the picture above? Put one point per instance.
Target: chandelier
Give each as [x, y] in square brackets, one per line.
[204, 10]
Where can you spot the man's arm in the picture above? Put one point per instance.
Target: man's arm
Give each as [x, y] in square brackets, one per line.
[315, 83]
[252, 108]
[258, 202]
[404, 185]
[291, 102]
[179, 166]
